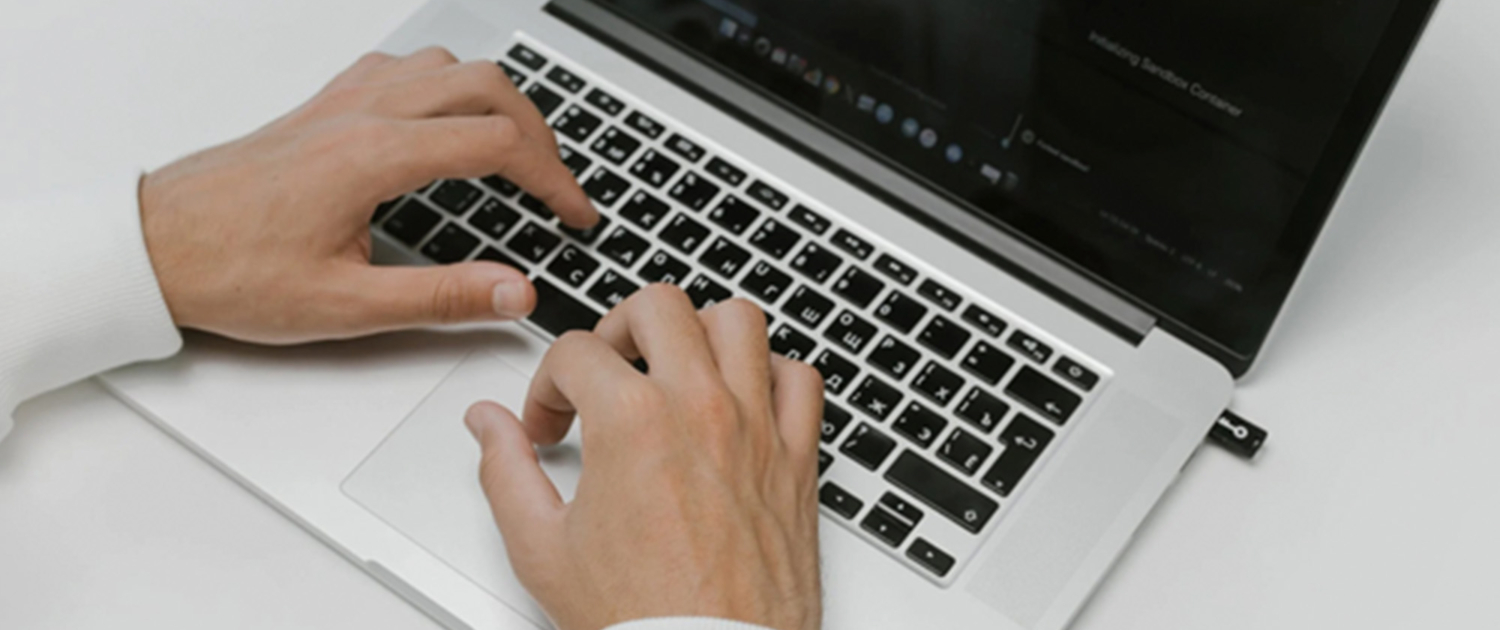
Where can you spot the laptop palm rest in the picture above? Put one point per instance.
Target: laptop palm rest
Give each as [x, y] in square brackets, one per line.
[423, 479]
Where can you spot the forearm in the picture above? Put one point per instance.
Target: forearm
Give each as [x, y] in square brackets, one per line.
[78, 295]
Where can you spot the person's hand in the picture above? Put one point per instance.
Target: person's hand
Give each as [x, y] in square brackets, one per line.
[266, 239]
[698, 494]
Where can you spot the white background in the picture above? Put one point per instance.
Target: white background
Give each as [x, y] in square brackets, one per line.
[1375, 504]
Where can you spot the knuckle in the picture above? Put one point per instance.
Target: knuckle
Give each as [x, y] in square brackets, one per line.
[484, 74]
[662, 294]
[504, 132]
[373, 58]
[437, 53]
[448, 299]
[642, 400]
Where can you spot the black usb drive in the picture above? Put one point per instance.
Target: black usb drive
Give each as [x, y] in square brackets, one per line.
[1238, 435]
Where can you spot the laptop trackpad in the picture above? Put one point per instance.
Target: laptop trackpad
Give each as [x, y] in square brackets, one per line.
[424, 481]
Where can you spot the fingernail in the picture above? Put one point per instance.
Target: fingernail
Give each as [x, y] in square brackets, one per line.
[475, 420]
[510, 299]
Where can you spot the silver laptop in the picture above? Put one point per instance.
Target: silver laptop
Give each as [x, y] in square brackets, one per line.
[1027, 243]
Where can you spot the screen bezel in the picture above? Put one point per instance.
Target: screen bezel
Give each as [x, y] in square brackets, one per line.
[1347, 141]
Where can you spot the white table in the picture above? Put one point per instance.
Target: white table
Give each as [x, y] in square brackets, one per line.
[1374, 505]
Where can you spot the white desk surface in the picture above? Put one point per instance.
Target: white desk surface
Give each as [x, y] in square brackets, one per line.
[1374, 505]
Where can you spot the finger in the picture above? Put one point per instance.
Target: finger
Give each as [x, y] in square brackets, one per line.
[582, 375]
[467, 147]
[476, 88]
[736, 331]
[660, 325]
[382, 299]
[798, 395]
[523, 500]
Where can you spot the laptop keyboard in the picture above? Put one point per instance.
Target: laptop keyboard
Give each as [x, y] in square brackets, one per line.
[939, 406]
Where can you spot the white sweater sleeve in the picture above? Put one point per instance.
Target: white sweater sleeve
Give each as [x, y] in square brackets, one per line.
[685, 623]
[78, 294]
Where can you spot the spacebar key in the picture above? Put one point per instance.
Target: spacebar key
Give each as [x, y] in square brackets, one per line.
[557, 312]
[955, 499]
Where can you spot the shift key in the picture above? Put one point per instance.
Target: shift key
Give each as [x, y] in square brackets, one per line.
[955, 499]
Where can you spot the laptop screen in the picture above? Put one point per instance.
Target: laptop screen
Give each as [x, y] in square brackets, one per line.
[1166, 147]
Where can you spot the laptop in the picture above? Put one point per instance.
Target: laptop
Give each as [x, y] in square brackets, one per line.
[1029, 245]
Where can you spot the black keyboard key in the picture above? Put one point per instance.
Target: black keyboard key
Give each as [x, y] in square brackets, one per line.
[576, 162]
[922, 479]
[527, 57]
[456, 196]
[624, 247]
[536, 207]
[775, 239]
[726, 172]
[644, 210]
[1076, 374]
[875, 398]
[816, 263]
[983, 411]
[494, 255]
[655, 169]
[517, 78]
[734, 215]
[808, 307]
[835, 420]
[1024, 442]
[812, 221]
[533, 242]
[919, 424]
[412, 222]
[663, 268]
[565, 80]
[939, 295]
[792, 344]
[694, 192]
[704, 292]
[886, 527]
[944, 337]
[839, 501]
[606, 103]
[868, 446]
[577, 124]
[858, 287]
[965, 452]
[685, 148]
[725, 258]
[573, 266]
[850, 332]
[901, 508]
[938, 383]
[384, 210]
[894, 358]
[1044, 395]
[856, 246]
[494, 219]
[988, 363]
[616, 146]
[546, 100]
[606, 188]
[1030, 346]
[824, 461]
[837, 371]
[896, 270]
[768, 196]
[684, 234]
[984, 320]
[644, 124]
[588, 236]
[901, 312]
[930, 557]
[557, 312]
[612, 289]
[451, 244]
[766, 282]
[501, 186]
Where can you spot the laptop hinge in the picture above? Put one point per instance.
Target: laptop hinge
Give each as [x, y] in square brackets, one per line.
[875, 175]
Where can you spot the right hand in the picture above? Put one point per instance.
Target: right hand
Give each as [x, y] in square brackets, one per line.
[698, 493]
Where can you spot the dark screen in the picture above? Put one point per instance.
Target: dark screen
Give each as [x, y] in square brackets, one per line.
[1163, 146]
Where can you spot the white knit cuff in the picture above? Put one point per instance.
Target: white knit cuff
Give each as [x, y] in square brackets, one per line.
[79, 293]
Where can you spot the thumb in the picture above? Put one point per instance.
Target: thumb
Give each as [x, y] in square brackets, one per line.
[406, 297]
[522, 498]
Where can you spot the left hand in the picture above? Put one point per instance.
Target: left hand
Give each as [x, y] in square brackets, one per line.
[267, 239]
